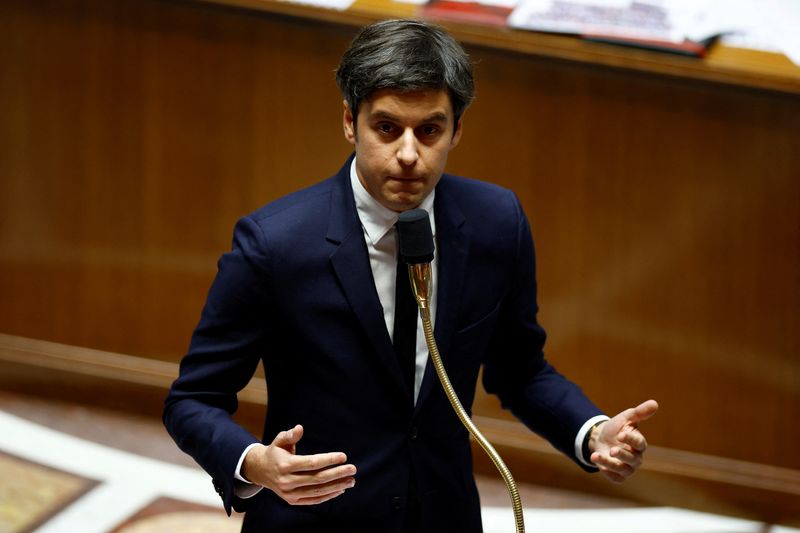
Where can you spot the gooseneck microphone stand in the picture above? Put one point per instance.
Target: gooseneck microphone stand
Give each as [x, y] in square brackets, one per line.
[416, 248]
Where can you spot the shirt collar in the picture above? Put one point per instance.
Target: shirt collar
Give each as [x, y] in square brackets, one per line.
[378, 219]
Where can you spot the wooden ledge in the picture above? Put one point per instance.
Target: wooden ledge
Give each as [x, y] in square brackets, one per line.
[668, 477]
[730, 66]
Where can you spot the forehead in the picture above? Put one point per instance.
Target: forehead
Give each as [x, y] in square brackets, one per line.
[431, 104]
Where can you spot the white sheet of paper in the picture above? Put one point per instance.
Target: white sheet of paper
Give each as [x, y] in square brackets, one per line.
[338, 5]
[770, 25]
[647, 19]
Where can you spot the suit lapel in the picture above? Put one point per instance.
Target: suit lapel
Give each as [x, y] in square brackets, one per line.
[350, 262]
[452, 248]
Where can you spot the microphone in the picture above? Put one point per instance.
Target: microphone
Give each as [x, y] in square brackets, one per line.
[416, 238]
[416, 250]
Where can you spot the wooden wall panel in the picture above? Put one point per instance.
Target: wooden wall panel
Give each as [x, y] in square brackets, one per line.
[136, 133]
[666, 211]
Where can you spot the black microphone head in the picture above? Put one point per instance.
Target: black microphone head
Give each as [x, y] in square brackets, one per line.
[416, 237]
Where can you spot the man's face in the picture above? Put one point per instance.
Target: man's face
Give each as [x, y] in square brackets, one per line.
[402, 141]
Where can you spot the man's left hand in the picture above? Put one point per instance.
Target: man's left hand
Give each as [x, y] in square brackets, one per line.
[617, 445]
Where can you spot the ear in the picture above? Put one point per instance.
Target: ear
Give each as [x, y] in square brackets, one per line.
[349, 124]
[457, 134]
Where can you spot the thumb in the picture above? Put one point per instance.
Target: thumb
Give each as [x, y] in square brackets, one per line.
[287, 439]
[643, 411]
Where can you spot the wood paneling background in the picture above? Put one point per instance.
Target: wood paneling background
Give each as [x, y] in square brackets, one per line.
[667, 220]
[666, 210]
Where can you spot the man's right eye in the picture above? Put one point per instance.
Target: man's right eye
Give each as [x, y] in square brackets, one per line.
[385, 128]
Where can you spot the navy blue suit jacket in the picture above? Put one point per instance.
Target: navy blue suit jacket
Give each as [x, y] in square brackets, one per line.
[296, 292]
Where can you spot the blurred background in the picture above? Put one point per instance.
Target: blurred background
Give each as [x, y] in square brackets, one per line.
[663, 190]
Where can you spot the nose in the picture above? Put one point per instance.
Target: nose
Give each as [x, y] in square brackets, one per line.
[407, 153]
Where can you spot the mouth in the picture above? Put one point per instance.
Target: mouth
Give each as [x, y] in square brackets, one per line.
[406, 179]
[407, 185]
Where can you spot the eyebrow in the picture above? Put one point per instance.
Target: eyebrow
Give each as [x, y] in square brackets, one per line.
[437, 116]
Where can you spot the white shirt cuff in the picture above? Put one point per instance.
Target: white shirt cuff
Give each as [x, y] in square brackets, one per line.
[582, 435]
[248, 489]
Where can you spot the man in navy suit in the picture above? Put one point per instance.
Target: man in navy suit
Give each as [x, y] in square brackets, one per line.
[349, 443]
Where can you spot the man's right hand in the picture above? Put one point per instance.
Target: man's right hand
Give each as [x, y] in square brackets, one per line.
[298, 479]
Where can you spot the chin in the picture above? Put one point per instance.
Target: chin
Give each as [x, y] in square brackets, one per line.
[399, 205]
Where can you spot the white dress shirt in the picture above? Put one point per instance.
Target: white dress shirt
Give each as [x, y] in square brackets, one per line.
[378, 222]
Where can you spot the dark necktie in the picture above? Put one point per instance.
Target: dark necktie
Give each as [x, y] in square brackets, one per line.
[405, 324]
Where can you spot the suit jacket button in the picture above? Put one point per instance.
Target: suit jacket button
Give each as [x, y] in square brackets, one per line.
[397, 503]
[413, 433]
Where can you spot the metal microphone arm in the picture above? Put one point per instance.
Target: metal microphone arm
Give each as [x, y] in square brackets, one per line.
[419, 271]
[420, 284]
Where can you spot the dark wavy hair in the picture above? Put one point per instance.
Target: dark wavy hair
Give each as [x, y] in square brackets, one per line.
[405, 55]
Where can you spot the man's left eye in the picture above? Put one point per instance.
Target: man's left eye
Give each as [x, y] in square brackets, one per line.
[430, 130]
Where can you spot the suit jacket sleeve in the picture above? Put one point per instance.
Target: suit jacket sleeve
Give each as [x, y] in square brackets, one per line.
[222, 357]
[516, 370]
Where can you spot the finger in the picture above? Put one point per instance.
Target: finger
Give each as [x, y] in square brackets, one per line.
[316, 494]
[316, 482]
[328, 488]
[629, 458]
[634, 439]
[318, 500]
[606, 463]
[293, 479]
[326, 476]
[287, 439]
[613, 476]
[316, 462]
[643, 411]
